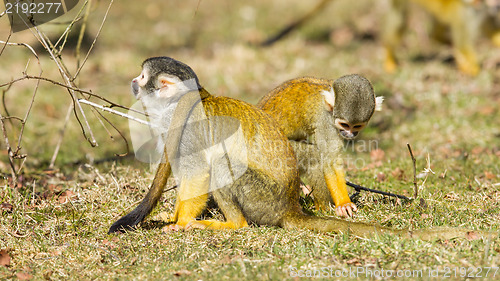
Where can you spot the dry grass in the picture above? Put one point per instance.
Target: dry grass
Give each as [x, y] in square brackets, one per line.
[58, 222]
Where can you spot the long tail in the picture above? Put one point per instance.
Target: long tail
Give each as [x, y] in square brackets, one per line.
[301, 220]
[182, 112]
[148, 203]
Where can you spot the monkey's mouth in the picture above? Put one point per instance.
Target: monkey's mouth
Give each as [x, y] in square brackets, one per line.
[348, 134]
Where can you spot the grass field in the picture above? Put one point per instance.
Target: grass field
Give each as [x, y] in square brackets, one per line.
[54, 222]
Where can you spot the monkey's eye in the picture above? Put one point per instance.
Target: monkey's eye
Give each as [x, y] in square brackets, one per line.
[357, 126]
[142, 76]
[344, 125]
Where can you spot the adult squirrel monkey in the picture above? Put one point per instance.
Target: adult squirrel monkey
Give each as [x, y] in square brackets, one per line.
[465, 19]
[266, 193]
[315, 115]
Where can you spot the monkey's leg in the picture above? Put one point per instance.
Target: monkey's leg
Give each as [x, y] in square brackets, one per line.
[191, 199]
[327, 181]
[393, 30]
[230, 209]
[311, 173]
[463, 32]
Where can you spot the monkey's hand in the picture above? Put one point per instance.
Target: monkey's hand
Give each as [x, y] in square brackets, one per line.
[346, 210]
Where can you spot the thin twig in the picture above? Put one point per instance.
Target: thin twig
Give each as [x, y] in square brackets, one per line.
[119, 132]
[19, 44]
[69, 27]
[93, 42]
[414, 171]
[359, 187]
[112, 104]
[82, 33]
[23, 124]
[15, 154]
[62, 70]
[9, 150]
[61, 136]
[5, 42]
[107, 109]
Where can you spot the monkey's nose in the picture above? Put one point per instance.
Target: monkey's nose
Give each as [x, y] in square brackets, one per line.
[347, 134]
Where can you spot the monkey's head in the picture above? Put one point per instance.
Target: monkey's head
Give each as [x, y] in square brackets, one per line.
[352, 102]
[164, 77]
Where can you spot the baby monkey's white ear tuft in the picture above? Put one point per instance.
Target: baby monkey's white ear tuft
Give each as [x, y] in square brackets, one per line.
[378, 103]
[329, 99]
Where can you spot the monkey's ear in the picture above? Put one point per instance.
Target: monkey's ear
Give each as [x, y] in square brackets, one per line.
[329, 99]
[378, 103]
[164, 81]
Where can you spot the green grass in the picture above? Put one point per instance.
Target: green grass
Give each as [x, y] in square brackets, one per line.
[448, 118]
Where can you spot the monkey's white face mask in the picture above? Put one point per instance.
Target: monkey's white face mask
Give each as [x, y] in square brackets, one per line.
[165, 87]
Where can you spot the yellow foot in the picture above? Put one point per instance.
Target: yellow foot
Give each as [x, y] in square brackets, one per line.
[390, 63]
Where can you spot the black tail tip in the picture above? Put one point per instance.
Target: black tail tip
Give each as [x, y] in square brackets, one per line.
[122, 225]
[120, 228]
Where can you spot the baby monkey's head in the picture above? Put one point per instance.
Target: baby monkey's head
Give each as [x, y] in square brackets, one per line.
[352, 102]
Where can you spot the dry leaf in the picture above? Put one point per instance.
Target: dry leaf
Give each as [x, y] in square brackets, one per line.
[489, 175]
[4, 258]
[380, 177]
[182, 272]
[66, 196]
[471, 235]
[398, 173]
[377, 155]
[56, 252]
[487, 110]
[24, 276]
[6, 207]
[354, 261]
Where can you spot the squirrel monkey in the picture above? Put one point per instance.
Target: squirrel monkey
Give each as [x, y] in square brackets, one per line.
[464, 19]
[315, 115]
[267, 193]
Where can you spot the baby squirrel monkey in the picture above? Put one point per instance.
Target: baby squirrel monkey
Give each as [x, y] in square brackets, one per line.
[315, 115]
[267, 193]
[465, 19]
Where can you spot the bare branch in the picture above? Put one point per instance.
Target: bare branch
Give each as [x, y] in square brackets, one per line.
[61, 136]
[115, 112]
[64, 73]
[9, 149]
[414, 171]
[80, 36]
[93, 42]
[6, 43]
[112, 104]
